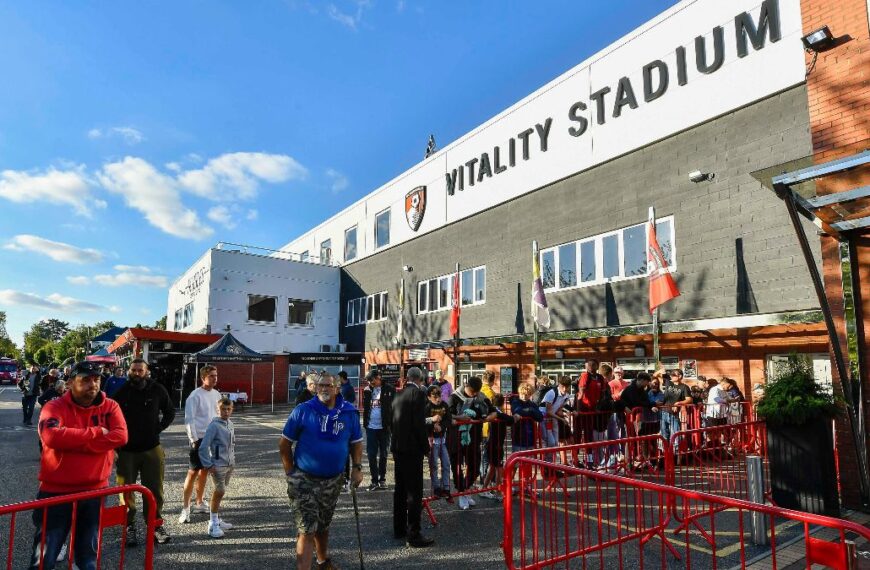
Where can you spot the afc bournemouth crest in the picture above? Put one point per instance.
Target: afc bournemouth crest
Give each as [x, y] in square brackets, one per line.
[415, 207]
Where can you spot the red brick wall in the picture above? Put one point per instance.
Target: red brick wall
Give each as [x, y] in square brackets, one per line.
[839, 104]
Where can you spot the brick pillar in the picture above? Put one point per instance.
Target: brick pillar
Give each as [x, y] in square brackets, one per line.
[838, 89]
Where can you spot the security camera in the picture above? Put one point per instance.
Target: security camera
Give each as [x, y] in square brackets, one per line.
[407, 268]
[698, 176]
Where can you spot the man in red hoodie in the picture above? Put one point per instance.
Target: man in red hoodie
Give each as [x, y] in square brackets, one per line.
[79, 433]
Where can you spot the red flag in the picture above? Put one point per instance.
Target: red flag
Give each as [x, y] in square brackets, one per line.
[662, 287]
[454, 312]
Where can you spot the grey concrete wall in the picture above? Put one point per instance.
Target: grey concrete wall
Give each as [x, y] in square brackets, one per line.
[712, 219]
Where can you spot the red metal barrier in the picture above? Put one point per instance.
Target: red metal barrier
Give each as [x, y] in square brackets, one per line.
[109, 516]
[591, 518]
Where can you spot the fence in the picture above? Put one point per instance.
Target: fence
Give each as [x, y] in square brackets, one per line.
[588, 518]
[68, 513]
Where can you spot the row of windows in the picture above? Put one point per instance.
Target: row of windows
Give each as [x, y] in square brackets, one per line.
[184, 317]
[436, 294]
[365, 309]
[351, 249]
[604, 258]
[263, 309]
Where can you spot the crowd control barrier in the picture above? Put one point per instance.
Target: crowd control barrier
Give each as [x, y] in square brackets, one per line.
[593, 519]
[20, 544]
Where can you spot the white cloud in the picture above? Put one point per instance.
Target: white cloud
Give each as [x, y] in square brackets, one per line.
[134, 268]
[173, 166]
[56, 250]
[129, 135]
[338, 181]
[69, 187]
[223, 216]
[126, 278]
[154, 194]
[55, 302]
[251, 215]
[237, 175]
[78, 280]
[352, 21]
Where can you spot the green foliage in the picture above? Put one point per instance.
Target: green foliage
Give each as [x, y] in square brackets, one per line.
[793, 397]
[8, 348]
[161, 323]
[43, 356]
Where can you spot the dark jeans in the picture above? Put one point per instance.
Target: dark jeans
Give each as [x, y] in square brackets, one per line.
[465, 463]
[58, 521]
[408, 494]
[27, 405]
[377, 444]
[150, 466]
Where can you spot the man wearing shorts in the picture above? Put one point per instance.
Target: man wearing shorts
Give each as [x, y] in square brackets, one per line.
[199, 409]
[316, 439]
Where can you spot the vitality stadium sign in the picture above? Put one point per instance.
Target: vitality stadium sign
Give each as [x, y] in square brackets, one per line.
[706, 54]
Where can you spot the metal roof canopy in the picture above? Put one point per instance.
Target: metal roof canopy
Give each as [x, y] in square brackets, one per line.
[842, 215]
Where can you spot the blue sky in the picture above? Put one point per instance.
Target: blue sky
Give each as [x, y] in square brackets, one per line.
[133, 136]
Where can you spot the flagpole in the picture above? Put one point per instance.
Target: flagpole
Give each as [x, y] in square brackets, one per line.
[401, 320]
[534, 321]
[456, 336]
[655, 323]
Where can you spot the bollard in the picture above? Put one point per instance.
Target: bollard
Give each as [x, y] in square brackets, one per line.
[755, 481]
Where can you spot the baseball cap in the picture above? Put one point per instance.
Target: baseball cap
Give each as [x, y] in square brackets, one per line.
[86, 368]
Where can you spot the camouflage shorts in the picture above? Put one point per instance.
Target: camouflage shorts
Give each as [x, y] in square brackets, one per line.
[313, 500]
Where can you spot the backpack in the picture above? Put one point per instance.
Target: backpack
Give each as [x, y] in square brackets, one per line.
[540, 393]
[605, 401]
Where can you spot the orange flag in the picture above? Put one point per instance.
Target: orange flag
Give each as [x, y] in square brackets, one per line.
[662, 287]
[454, 313]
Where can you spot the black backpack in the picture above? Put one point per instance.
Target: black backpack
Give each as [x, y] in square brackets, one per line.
[605, 401]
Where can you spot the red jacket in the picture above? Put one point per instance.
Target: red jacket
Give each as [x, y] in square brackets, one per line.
[76, 455]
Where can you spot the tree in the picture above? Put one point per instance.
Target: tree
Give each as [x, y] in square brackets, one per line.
[9, 349]
[3, 333]
[161, 323]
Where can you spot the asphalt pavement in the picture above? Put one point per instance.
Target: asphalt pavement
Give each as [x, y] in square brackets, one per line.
[256, 503]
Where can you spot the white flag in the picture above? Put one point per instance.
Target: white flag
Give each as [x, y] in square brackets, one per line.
[540, 311]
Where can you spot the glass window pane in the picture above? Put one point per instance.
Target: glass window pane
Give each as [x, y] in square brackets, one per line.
[568, 265]
[433, 294]
[376, 311]
[634, 251]
[350, 244]
[363, 309]
[610, 245]
[382, 229]
[350, 316]
[548, 269]
[384, 305]
[261, 308]
[326, 252]
[370, 315]
[587, 261]
[480, 285]
[422, 297]
[444, 292]
[300, 312]
[467, 287]
[303, 256]
[664, 235]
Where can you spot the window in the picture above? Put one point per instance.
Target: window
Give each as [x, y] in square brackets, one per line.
[437, 294]
[261, 309]
[304, 256]
[187, 317]
[613, 256]
[350, 244]
[468, 369]
[177, 326]
[364, 309]
[568, 265]
[300, 312]
[326, 252]
[382, 229]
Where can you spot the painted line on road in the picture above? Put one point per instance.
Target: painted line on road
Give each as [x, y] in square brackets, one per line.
[279, 428]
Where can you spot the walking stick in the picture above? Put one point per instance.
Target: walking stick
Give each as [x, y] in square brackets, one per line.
[362, 565]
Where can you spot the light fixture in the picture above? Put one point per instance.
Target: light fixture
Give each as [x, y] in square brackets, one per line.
[639, 350]
[560, 354]
[819, 39]
[697, 176]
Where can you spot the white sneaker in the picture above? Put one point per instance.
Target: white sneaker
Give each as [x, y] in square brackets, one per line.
[490, 495]
[463, 503]
[214, 530]
[61, 556]
[200, 508]
[224, 524]
[470, 501]
[184, 517]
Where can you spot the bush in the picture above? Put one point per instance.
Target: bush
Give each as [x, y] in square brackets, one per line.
[793, 397]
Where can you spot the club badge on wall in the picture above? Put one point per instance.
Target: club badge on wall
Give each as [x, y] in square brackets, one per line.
[415, 207]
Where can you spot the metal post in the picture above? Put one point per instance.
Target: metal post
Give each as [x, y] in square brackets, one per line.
[273, 384]
[535, 322]
[755, 481]
[656, 349]
[456, 336]
[251, 395]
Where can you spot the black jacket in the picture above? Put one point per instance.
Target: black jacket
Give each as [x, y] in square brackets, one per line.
[410, 436]
[388, 394]
[632, 397]
[148, 412]
[303, 396]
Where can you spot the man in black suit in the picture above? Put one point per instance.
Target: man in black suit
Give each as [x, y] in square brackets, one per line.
[410, 443]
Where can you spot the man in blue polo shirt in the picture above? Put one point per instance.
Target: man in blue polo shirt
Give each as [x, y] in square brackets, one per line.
[315, 443]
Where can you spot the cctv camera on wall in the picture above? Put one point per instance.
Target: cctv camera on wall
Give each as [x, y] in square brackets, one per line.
[698, 176]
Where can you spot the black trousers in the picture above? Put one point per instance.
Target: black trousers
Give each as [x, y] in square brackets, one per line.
[408, 494]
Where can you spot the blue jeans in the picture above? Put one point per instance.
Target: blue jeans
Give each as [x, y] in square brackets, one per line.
[58, 521]
[377, 444]
[27, 405]
[439, 457]
[670, 424]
